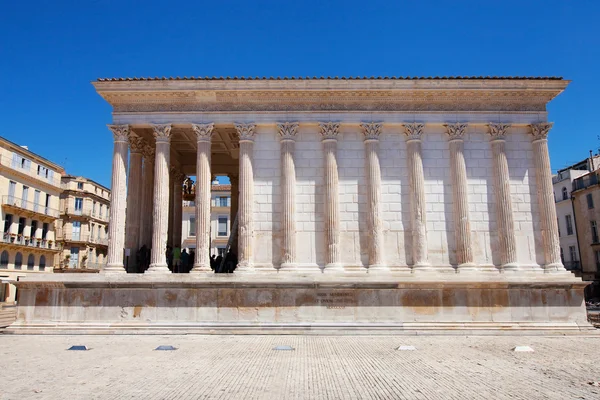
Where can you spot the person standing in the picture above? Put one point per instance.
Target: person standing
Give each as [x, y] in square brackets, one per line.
[176, 259]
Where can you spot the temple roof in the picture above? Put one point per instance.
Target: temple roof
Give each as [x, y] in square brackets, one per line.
[270, 78]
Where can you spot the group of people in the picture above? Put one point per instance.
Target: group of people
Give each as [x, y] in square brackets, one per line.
[181, 262]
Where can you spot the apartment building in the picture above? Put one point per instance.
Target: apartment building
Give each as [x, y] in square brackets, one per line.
[83, 233]
[220, 220]
[30, 187]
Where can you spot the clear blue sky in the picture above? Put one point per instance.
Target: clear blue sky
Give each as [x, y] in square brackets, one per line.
[51, 50]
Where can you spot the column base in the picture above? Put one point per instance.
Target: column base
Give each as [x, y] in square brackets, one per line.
[337, 267]
[114, 269]
[287, 266]
[201, 269]
[472, 267]
[554, 267]
[512, 266]
[378, 267]
[245, 267]
[158, 269]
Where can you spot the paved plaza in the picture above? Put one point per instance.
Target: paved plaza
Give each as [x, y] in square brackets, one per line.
[343, 367]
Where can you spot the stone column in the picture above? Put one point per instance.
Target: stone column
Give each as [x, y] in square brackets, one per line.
[372, 131]
[245, 219]
[458, 171]
[172, 173]
[116, 227]
[504, 212]
[177, 206]
[233, 210]
[147, 198]
[160, 224]
[329, 134]
[203, 189]
[545, 194]
[413, 133]
[287, 132]
[134, 197]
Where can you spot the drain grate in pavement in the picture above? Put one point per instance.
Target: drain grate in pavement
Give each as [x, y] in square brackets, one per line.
[169, 347]
[406, 348]
[80, 348]
[285, 348]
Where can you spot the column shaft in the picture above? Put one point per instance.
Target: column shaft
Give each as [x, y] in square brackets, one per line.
[177, 208]
[172, 173]
[545, 194]
[245, 214]
[203, 189]
[233, 211]
[116, 227]
[147, 199]
[504, 212]
[288, 198]
[158, 259]
[134, 196]
[417, 198]
[332, 206]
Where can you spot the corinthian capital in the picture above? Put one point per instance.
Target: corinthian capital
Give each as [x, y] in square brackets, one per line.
[329, 130]
[456, 131]
[288, 130]
[540, 131]
[136, 143]
[203, 131]
[162, 133]
[245, 132]
[149, 153]
[371, 130]
[498, 131]
[120, 132]
[413, 131]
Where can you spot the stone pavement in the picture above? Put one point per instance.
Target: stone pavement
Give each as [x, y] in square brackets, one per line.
[342, 367]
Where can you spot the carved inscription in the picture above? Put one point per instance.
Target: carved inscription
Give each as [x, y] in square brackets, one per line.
[337, 299]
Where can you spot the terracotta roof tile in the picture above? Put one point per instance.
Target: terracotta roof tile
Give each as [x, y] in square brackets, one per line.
[235, 78]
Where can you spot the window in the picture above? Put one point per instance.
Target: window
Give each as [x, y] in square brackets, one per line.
[222, 201]
[565, 194]
[80, 185]
[44, 230]
[34, 226]
[594, 231]
[597, 252]
[558, 226]
[74, 257]
[21, 226]
[100, 210]
[47, 203]
[42, 263]
[94, 208]
[572, 253]
[590, 201]
[76, 231]
[42, 171]
[7, 222]
[36, 200]
[4, 260]
[12, 187]
[18, 261]
[92, 231]
[78, 205]
[222, 226]
[24, 196]
[30, 262]
[192, 226]
[569, 221]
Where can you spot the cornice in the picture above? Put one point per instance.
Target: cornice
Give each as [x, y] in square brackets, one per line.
[317, 95]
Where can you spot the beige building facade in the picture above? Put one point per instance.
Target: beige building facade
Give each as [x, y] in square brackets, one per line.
[586, 206]
[83, 232]
[220, 220]
[30, 187]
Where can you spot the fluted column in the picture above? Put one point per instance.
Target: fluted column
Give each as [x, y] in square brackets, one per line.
[233, 210]
[177, 206]
[287, 132]
[160, 225]
[329, 134]
[371, 132]
[413, 133]
[504, 211]
[245, 219]
[172, 172]
[545, 194]
[147, 198]
[203, 188]
[116, 226]
[460, 200]
[134, 197]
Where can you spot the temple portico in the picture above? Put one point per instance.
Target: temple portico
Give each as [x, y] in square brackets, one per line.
[375, 204]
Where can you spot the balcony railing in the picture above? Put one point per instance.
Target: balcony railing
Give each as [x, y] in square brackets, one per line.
[585, 181]
[97, 240]
[31, 171]
[29, 206]
[78, 237]
[572, 265]
[27, 241]
[86, 212]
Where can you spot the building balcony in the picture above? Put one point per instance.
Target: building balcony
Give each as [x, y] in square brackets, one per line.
[30, 171]
[585, 181]
[572, 265]
[29, 209]
[20, 241]
[85, 213]
[85, 239]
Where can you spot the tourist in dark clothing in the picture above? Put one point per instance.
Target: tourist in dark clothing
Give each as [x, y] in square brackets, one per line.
[183, 267]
